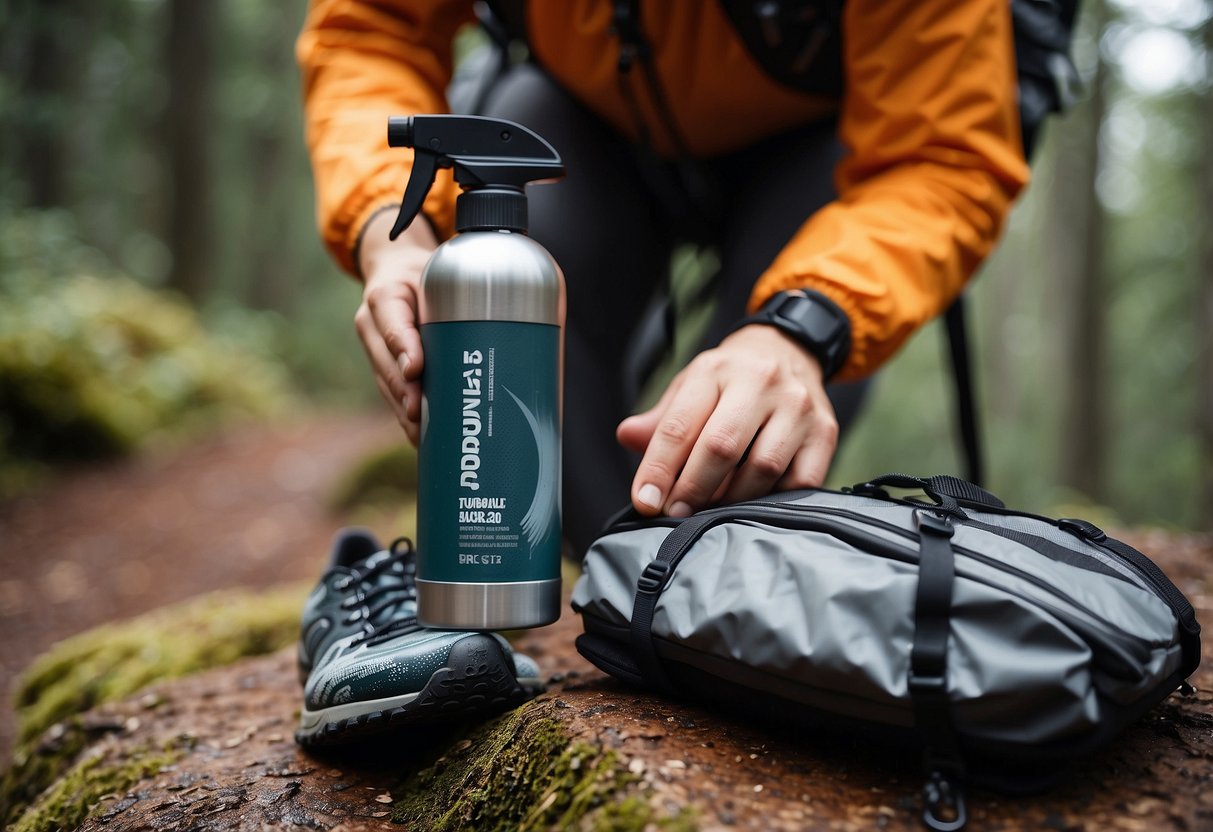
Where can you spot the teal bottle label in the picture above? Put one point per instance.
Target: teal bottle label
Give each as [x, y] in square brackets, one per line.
[488, 496]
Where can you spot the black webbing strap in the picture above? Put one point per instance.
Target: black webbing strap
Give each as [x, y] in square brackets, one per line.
[963, 490]
[928, 683]
[962, 374]
[1189, 627]
[652, 583]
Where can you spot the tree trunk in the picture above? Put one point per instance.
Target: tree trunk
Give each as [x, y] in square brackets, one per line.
[188, 123]
[1079, 251]
[273, 262]
[50, 71]
[1204, 306]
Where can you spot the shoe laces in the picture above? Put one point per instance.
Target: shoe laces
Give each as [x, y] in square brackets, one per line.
[375, 600]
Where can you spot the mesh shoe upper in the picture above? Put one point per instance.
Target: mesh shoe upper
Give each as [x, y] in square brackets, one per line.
[360, 638]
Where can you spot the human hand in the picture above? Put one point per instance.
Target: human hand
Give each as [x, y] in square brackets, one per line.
[759, 395]
[388, 317]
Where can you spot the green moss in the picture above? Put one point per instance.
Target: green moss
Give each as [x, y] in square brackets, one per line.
[521, 772]
[634, 814]
[39, 765]
[387, 477]
[115, 660]
[77, 794]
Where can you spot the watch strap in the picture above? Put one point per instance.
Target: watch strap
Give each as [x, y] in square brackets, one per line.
[813, 321]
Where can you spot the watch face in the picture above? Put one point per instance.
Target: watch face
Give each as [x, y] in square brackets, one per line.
[817, 323]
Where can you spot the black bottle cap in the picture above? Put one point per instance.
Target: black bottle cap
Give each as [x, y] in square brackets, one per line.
[491, 209]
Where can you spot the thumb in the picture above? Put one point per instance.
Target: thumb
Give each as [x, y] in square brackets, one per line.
[635, 432]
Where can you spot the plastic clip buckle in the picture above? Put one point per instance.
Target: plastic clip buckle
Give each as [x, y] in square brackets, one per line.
[930, 522]
[944, 809]
[653, 578]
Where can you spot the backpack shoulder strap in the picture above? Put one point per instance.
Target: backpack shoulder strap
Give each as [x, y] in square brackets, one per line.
[799, 44]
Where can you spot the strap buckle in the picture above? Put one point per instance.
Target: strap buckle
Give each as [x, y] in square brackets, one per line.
[653, 579]
[943, 803]
[930, 522]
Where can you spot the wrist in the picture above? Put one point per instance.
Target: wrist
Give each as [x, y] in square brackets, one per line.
[376, 250]
[812, 321]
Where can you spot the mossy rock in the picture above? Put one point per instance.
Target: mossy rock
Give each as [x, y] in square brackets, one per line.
[523, 772]
[386, 477]
[80, 791]
[116, 660]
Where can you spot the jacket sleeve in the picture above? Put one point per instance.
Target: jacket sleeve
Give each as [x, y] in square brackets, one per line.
[934, 159]
[363, 60]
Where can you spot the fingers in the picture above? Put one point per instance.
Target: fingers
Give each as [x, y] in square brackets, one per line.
[778, 462]
[635, 432]
[744, 419]
[799, 421]
[812, 463]
[393, 308]
[387, 326]
[718, 450]
[678, 426]
[387, 320]
[403, 395]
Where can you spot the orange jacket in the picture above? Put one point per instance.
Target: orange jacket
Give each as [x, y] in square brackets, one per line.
[929, 119]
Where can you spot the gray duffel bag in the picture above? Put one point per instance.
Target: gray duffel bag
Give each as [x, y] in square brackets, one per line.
[1003, 643]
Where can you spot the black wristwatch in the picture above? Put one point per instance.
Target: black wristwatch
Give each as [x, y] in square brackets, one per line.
[813, 321]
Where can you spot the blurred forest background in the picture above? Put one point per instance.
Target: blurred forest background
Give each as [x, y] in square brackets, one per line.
[160, 273]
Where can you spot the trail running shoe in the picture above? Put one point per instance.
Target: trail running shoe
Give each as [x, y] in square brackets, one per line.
[368, 667]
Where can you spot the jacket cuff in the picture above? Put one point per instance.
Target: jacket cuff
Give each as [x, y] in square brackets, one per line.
[857, 364]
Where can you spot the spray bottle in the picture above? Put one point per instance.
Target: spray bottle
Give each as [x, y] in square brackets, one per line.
[488, 512]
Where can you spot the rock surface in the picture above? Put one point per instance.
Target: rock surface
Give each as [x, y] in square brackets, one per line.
[588, 754]
[213, 750]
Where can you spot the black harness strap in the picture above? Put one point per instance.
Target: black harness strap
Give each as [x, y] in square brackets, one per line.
[966, 396]
[928, 680]
[651, 584]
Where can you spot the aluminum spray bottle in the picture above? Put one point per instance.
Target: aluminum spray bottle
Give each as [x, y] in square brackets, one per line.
[488, 512]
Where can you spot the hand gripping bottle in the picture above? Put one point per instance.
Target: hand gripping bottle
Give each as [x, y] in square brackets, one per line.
[488, 512]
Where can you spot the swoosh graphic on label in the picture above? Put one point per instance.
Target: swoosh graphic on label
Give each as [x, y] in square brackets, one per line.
[537, 522]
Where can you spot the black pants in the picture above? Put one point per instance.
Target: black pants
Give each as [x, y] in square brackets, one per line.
[612, 235]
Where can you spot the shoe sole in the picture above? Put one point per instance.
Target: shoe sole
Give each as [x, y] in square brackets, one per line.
[478, 680]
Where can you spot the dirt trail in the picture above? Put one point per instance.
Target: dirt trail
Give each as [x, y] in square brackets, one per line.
[244, 509]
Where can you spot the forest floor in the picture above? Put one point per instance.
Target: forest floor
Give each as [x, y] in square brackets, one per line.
[252, 509]
[246, 509]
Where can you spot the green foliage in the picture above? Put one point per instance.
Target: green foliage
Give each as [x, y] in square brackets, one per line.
[93, 364]
[115, 660]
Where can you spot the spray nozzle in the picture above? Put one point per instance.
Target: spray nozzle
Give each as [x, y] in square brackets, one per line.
[493, 158]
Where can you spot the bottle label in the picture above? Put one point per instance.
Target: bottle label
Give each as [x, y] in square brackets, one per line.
[488, 492]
